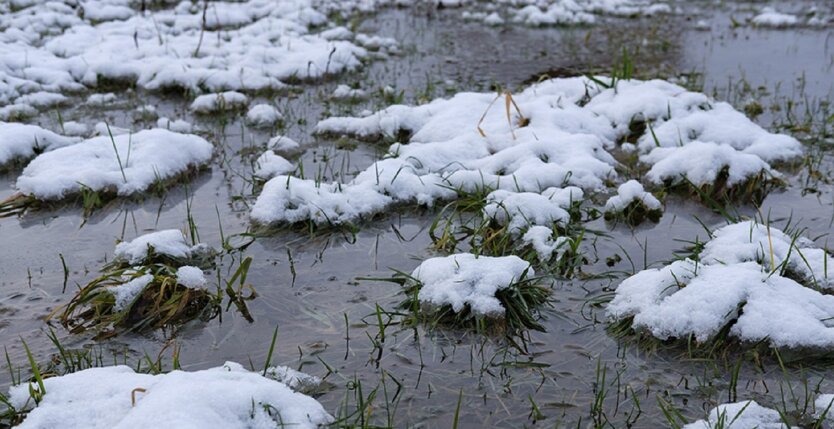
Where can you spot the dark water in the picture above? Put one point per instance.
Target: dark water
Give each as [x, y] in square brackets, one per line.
[439, 55]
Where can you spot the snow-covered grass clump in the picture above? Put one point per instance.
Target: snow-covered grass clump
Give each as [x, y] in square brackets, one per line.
[346, 93]
[534, 226]
[228, 396]
[19, 142]
[220, 102]
[153, 281]
[484, 293]
[751, 283]
[769, 17]
[124, 165]
[269, 165]
[561, 12]
[263, 116]
[562, 133]
[253, 45]
[633, 204]
[169, 243]
[740, 415]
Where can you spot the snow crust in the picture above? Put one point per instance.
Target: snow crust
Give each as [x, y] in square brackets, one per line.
[228, 396]
[733, 283]
[463, 280]
[137, 161]
[570, 128]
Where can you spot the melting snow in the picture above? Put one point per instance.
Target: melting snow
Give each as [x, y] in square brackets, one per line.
[127, 164]
[227, 396]
[569, 128]
[466, 280]
[734, 283]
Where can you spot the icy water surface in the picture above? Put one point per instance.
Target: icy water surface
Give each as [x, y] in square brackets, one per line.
[312, 288]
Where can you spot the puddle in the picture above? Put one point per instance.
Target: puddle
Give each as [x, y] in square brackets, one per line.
[309, 287]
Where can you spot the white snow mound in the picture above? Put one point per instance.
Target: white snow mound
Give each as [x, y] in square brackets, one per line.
[127, 164]
[463, 280]
[223, 397]
[733, 283]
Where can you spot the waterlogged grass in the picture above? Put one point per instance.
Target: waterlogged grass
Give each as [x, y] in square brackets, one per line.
[464, 225]
[162, 303]
[753, 190]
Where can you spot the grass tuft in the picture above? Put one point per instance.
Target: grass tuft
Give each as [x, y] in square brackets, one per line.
[162, 303]
[521, 301]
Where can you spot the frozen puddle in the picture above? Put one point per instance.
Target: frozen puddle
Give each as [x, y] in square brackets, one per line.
[228, 396]
[555, 134]
[752, 282]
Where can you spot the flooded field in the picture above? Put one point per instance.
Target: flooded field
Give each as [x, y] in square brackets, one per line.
[323, 290]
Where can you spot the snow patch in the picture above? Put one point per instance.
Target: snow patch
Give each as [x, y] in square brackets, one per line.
[225, 396]
[466, 280]
[103, 164]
